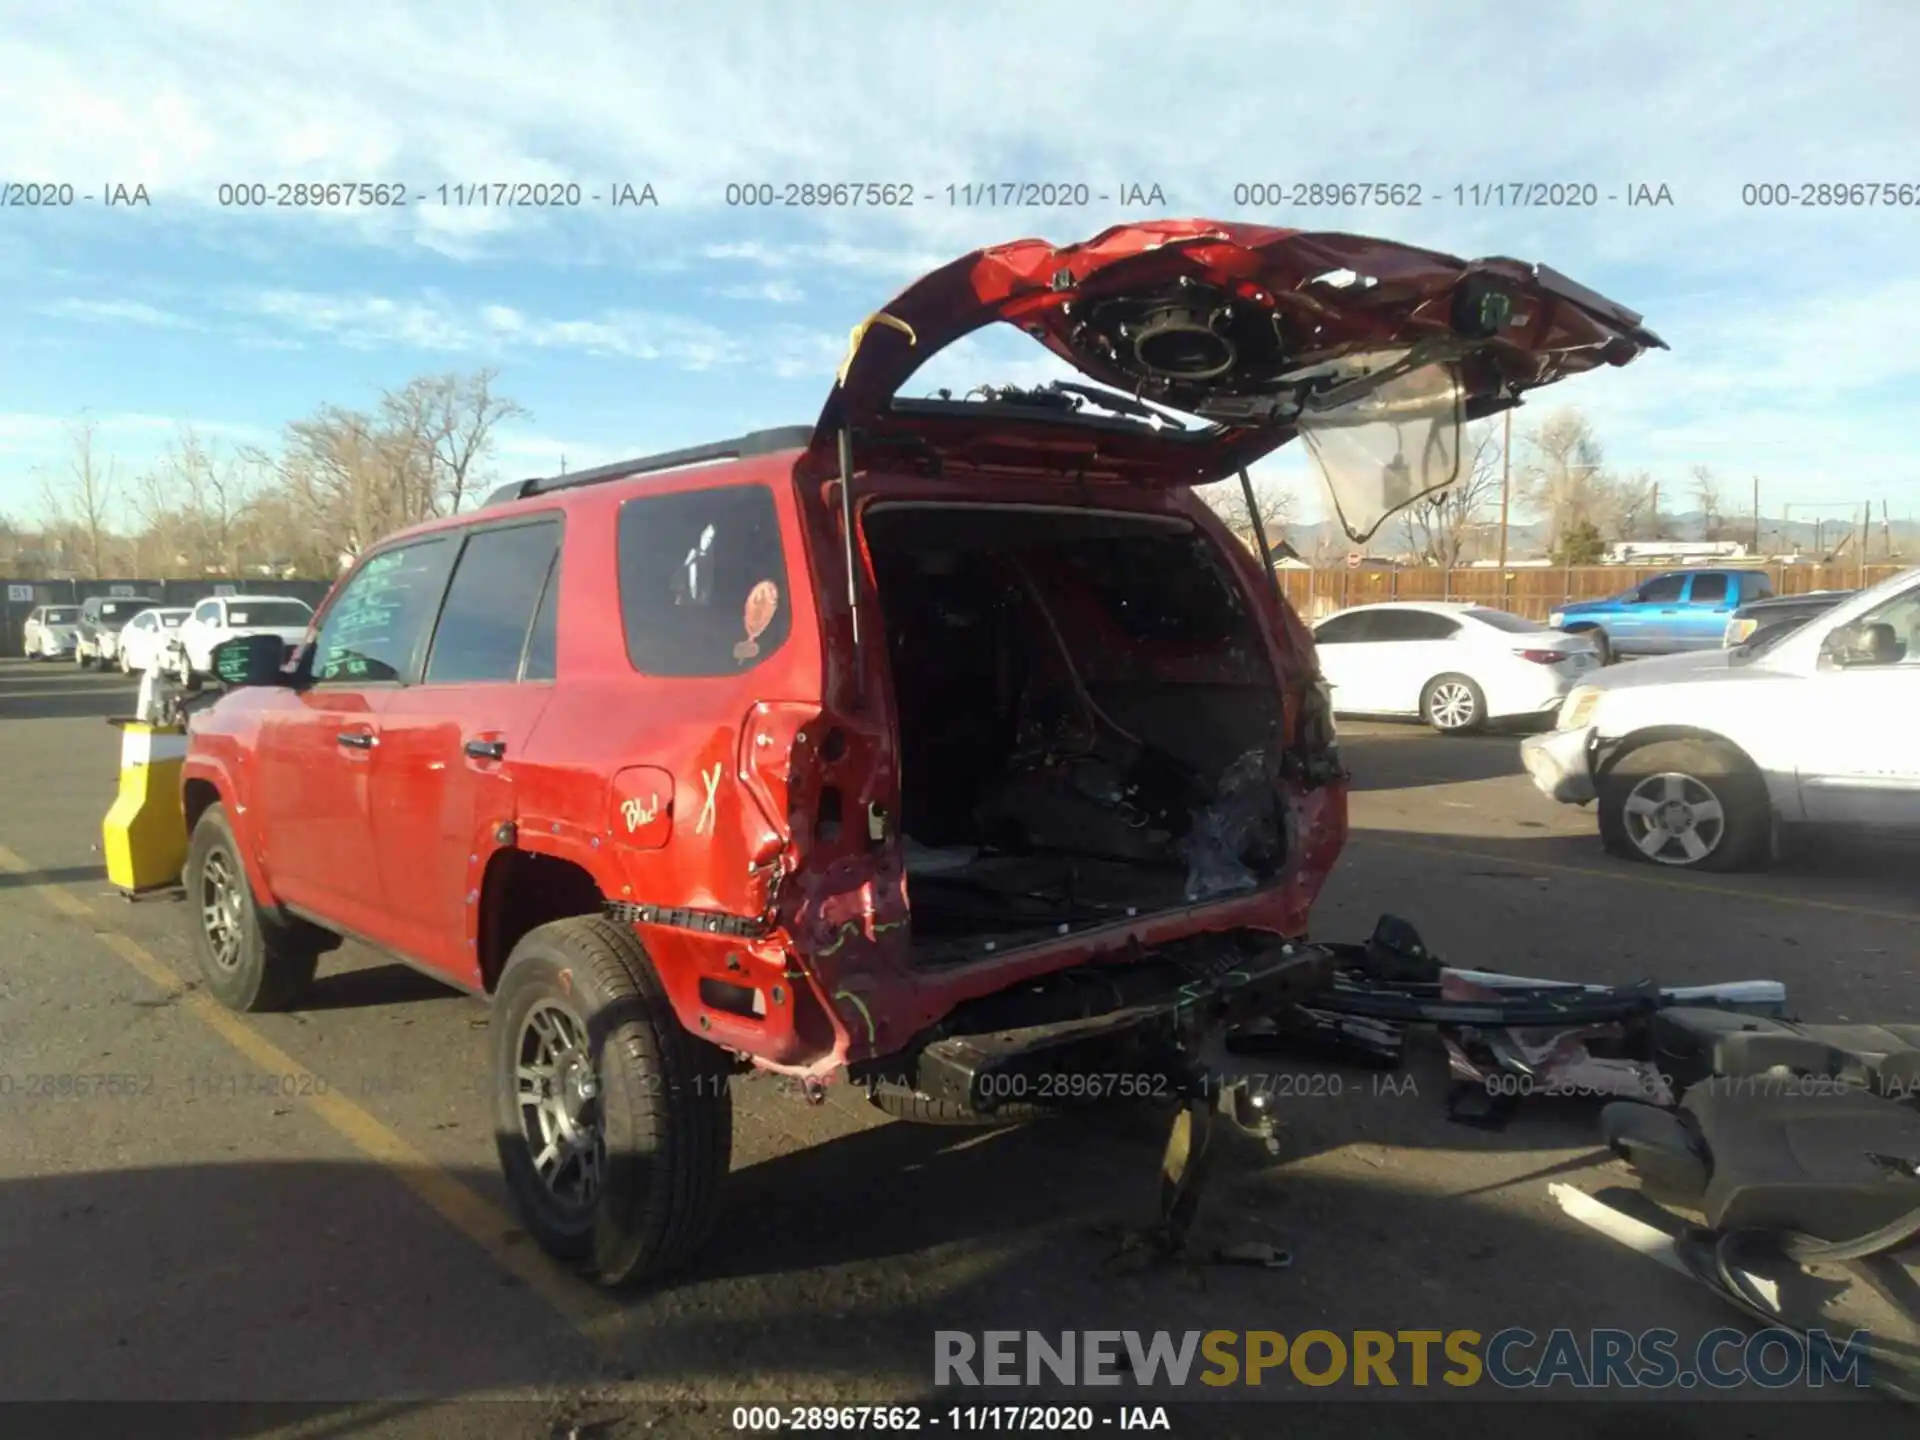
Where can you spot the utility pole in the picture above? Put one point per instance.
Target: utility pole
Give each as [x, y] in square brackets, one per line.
[1756, 515]
[1506, 495]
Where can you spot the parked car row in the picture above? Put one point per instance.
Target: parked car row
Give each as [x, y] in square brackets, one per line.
[140, 633]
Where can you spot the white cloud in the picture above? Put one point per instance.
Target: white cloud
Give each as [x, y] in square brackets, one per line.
[132, 312]
[771, 292]
[436, 324]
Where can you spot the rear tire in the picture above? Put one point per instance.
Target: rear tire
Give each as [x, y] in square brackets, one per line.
[1453, 705]
[1686, 804]
[249, 960]
[1602, 647]
[613, 1124]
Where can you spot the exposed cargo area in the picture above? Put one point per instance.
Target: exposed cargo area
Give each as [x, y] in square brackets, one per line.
[1088, 719]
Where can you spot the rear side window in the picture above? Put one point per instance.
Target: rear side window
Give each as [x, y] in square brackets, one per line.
[375, 625]
[1411, 625]
[1709, 589]
[271, 614]
[490, 604]
[1343, 629]
[703, 581]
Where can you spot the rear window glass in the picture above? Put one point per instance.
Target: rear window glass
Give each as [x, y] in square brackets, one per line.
[65, 615]
[123, 609]
[1505, 620]
[278, 614]
[703, 581]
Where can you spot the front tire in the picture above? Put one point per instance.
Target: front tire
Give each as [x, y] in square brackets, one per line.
[1453, 705]
[1687, 804]
[614, 1125]
[249, 960]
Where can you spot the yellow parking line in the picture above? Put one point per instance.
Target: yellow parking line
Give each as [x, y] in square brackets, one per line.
[594, 1315]
[1639, 877]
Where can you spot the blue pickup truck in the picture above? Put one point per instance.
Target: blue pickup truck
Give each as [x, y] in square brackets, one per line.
[1680, 610]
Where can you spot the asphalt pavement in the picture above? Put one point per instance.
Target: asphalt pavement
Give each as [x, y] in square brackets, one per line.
[306, 1209]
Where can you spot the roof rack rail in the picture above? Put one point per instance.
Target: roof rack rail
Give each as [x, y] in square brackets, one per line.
[755, 442]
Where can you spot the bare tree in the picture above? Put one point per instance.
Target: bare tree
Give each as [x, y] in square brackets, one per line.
[353, 477]
[1437, 529]
[1634, 500]
[79, 502]
[1563, 477]
[1706, 495]
[1274, 501]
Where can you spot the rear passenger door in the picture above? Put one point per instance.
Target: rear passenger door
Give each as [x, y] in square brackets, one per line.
[1702, 623]
[1410, 648]
[445, 784]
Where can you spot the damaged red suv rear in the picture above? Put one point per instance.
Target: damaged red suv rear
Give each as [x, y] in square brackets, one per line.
[952, 746]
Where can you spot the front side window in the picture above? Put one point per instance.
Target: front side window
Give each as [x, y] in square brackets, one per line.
[490, 605]
[1663, 591]
[1901, 614]
[375, 625]
[703, 581]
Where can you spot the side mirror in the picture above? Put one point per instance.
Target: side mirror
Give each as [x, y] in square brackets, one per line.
[251, 660]
[1861, 644]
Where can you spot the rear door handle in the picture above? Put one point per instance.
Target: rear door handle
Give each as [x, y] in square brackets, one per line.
[487, 749]
[358, 739]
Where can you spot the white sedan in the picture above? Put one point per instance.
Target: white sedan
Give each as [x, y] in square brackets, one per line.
[226, 617]
[1456, 666]
[144, 639]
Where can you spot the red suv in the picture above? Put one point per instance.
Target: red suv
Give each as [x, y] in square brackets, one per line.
[948, 744]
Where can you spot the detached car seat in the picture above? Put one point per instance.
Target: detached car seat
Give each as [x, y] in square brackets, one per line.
[1789, 1157]
[1690, 1044]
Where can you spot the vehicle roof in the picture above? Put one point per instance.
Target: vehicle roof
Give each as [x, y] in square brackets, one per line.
[248, 597]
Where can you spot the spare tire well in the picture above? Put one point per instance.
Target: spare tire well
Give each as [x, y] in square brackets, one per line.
[523, 890]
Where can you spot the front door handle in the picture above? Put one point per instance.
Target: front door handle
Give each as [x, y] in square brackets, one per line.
[487, 749]
[358, 739]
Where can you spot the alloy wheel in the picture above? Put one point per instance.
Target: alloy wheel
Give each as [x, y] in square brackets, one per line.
[1452, 705]
[1674, 819]
[557, 1092]
[222, 909]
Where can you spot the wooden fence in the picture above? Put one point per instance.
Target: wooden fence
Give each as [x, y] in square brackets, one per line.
[1532, 591]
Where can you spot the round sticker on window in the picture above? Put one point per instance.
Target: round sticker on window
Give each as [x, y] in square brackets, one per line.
[763, 603]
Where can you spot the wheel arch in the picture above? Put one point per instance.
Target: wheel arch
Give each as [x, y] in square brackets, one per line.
[521, 890]
[1617, 750]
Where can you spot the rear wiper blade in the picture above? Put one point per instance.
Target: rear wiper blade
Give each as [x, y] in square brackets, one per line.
[1119, 404]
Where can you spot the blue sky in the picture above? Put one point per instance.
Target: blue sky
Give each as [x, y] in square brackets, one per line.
[629, 330]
